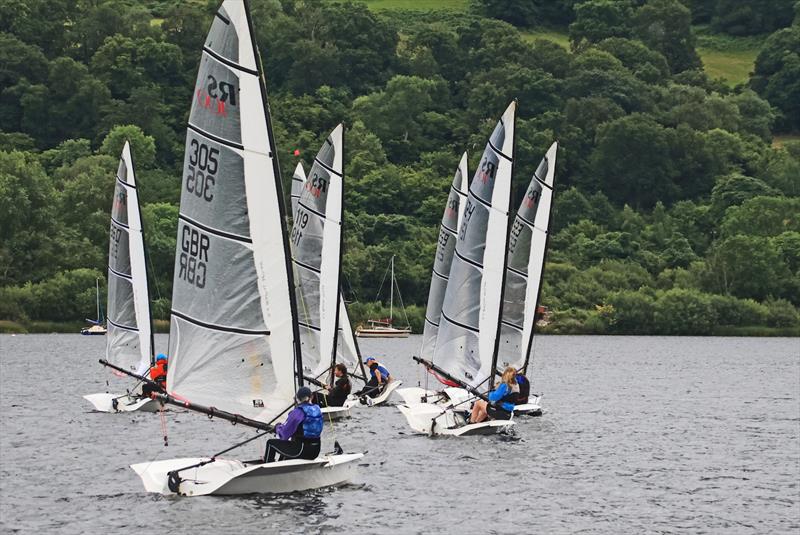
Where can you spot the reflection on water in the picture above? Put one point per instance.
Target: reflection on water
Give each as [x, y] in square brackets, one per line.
[641, 434]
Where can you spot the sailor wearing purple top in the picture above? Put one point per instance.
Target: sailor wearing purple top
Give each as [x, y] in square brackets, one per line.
[299, 435]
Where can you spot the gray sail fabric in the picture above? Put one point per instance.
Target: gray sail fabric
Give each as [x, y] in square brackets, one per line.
[128, 340]
[346, 348]
[470, 313]
[445, 248]
[512, 345]
[316, 255]
[231, 338]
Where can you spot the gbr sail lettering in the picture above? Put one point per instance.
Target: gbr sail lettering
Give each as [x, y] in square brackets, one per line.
[194, 256]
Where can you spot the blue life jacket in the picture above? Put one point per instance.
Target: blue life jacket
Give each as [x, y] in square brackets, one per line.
[502, 397]
[384, 372]
[312, 423]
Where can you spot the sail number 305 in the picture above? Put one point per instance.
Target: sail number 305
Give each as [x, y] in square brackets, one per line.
[202, 170]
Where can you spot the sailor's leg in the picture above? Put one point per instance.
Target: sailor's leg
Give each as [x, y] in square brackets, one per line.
[284, 448]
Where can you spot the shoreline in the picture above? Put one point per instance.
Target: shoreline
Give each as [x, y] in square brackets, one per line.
[162, 327]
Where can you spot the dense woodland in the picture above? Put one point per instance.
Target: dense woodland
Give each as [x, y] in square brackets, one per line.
[677, 208]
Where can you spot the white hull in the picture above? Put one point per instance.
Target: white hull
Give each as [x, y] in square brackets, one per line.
[385, 395]
[532, 408]
[104, 402]
[338, 413]
[434, 420]
[232, 477]
[460, 398]
[383, 333]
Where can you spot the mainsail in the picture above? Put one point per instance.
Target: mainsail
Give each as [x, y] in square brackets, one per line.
[448, 233]
[468, 331]
[316, 253]
[232, 334]
[129, 342]
[527, 246]
[347, 351]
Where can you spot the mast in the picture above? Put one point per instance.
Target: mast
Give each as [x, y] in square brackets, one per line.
[391, 294]
[279, 188]
[339, 272]
[97, 295]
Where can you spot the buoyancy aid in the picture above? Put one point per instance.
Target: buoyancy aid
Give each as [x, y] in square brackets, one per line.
[503, 397]
[384, 372]
[312, 423]
[158, 373]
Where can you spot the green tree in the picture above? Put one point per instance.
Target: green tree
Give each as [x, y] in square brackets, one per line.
[681, 311]
[747, 266]
[143, 147]
[777, 75]
[665, 26]
[640, 181]
[596, 20]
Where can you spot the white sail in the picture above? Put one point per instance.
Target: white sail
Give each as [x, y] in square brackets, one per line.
[526, 252]
[445, 247]
[468, 331]
[232, 338]
[129, 342]
[316, 253]
[298, 181]
[346, 348]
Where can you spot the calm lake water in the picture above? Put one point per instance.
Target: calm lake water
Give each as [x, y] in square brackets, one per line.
[640, 435]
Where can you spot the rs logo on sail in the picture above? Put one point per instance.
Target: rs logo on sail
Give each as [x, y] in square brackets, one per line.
[216, 95]
[194, 256]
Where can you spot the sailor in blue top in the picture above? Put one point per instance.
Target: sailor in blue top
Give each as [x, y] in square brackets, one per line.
[379, 378]
[296, 441]
[501, 400]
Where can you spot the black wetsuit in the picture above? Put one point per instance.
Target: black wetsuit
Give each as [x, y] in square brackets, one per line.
[337, 395]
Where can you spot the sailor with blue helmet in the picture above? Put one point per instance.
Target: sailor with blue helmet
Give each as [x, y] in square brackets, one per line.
[299, 435]
[379, 378]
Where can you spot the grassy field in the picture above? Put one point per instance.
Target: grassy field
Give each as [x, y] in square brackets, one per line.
[733, 67]
[556, 36]
[778, 141]
[418, 5]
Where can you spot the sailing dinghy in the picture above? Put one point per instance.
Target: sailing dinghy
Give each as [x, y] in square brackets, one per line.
[527, 247]
[466, 343]
[316, 240]
[234, 337]
[129, 342]
[445, 248]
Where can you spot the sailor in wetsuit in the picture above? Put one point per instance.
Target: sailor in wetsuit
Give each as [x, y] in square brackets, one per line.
[379, 378]
[299, 435]
[337, 395]
[501, 400]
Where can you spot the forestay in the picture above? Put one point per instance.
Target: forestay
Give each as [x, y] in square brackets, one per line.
[129, 341]
[316, 253]
[527, 246]
[468, 331]
[445, 247]
[232, 334]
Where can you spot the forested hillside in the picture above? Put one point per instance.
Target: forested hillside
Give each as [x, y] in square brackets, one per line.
[678, 195]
